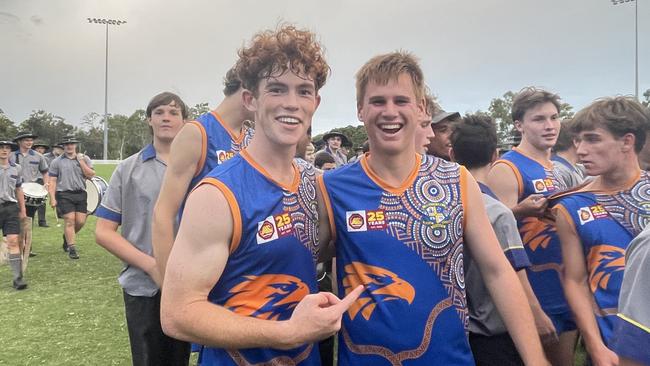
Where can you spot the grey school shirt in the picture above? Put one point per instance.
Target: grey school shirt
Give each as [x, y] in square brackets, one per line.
[129, 201]
[9, 180]
[632, 332]
[33, 164]
[484, 317]
[68, 173]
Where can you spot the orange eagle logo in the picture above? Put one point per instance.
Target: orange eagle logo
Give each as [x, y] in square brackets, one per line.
[604, 260]
[381, 285]
[535, 233]
[269, 296]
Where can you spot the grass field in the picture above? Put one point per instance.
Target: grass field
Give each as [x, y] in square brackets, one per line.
[72, 312]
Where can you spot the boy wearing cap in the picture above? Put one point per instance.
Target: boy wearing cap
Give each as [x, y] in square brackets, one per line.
[333, 144]
[33, 169]
[442, 124]
[56, 151]
[68, 191]
[12, 208]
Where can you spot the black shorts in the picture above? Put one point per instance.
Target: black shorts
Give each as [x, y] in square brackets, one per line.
[9, 218]
[71, 201]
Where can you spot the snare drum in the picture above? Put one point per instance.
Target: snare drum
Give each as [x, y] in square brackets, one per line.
[95, 190]
[35, 194]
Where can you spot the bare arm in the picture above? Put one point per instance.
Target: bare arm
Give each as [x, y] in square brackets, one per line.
[545, 327]
[20, 197]
[503, 182]
[52, 190]
[196, 263]
[578, 295]
[86, 170]
[107, 236]
[327, 248]
[184, 157]
[500, 278]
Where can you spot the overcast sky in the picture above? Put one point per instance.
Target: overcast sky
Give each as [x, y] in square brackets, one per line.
[51, 58]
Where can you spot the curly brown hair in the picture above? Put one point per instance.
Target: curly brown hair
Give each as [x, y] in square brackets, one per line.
[273, 52]
[530, 97]
[384, 68]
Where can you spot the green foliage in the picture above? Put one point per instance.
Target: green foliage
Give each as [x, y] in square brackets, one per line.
[197, 110]
[48, 127]
[126, 135]
[7, 127]
[356, 134]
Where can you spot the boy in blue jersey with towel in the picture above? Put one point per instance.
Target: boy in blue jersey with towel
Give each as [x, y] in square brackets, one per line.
[399, 221]
[597, 222]
[201, 145]
[522, 179]
[241, 276]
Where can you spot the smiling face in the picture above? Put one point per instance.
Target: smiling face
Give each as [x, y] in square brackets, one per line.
[26, 143]
[440, 145]
[390, 114]
[284, 107]
[540, 126]
[166, 121]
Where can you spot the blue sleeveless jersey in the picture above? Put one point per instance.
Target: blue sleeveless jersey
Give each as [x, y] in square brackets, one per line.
[217, 144]
[272, 262]
[606, 223]
[405, 245]
[540, 238]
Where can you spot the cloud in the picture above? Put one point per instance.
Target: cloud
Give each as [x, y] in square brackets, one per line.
[36, 20]
[8, 18]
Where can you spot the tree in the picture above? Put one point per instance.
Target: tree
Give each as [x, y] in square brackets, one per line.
[48, 127]
[7, 126]
[197, 110]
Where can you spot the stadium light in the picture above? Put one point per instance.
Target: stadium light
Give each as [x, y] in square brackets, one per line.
[107, 22]
[636, 42]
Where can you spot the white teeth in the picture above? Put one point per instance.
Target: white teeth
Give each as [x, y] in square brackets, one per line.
[390, 127]
[289, 120]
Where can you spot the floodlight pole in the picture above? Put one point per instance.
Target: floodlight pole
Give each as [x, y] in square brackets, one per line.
[107, 22]
[636, 42]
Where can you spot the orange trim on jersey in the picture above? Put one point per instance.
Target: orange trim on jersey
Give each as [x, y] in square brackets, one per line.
[234, 210]
[328, 205]
[520, 180]
[546, 164]
[237, 139]
[385, 186]
[204, 147]
[463, 194]
[293, 187]
[563, 211]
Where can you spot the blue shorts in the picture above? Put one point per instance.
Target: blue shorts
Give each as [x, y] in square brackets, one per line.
[563, 322]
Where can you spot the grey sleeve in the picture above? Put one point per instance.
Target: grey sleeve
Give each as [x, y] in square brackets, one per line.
[42, 165]
[113, 198]
[54, 169]
[505, 227]
[635, 290]
[88, 162]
